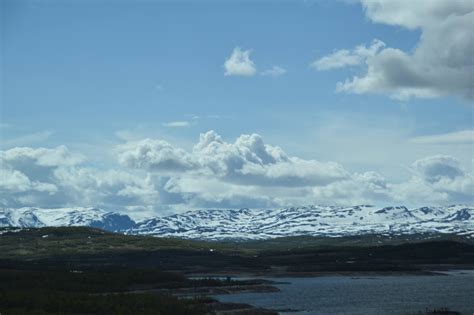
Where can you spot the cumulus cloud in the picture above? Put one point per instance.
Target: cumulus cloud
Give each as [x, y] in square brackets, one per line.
[342, 58]
[155, 175]
[368, 187]
[248, 170]
[436, 168]
[414, 14]
[434, 68]
[27, 174]
[14, 181]
[248, 161]
[274, 71]
[107, 187]
[154, 155]
[209, 192]
[55, 177]
[437, 178]
[40, 157]
[239, 63]
[25, 169]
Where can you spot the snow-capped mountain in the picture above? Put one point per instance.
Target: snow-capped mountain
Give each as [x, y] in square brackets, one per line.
[259, 224]
[93, 217]
[310, 220]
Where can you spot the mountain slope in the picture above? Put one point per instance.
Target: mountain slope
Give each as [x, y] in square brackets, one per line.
[311, 220]
[93, 217]
[259, 224]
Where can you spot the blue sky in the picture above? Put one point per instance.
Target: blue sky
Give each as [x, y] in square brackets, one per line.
[93, 75]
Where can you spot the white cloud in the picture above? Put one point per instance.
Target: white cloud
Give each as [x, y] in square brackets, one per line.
[434, 68]
[27, 173]
[41, 157]
[368, 187]
[438, 179]
[274, 71]
[221, 173]
[154, 155]
[359, 141]
[247, 172]
[14, 181]
[435, 180]
[247, 161]
[26, 170]
[342, 58]
[239, 63]
[435, 168]
[177, 124]
[414, 14]
[54, 177]
[113, 188]
[458, 137]
[209, 192]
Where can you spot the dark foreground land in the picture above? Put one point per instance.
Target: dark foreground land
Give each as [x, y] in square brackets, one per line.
[89, 271]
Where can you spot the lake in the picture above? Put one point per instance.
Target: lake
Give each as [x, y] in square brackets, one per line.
[367, 295]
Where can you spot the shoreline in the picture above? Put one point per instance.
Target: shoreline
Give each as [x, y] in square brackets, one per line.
[268, 285]
[315, 274]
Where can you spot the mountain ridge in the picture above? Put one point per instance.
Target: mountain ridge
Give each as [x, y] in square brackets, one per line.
[255, 224]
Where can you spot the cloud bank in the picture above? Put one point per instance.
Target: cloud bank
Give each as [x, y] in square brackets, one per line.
[154, 175]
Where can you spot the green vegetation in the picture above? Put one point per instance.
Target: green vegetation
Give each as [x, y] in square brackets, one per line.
[53, 302]
[36, 288]
[75, 241]
[89, 271]
[60, 241]
[80, 247]
[54, 289]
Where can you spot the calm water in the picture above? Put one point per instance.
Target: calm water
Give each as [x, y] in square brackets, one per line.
[367, 295]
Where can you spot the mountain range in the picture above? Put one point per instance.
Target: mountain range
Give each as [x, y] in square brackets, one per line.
[254, 224]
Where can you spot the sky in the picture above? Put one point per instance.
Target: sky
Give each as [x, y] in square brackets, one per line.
[156, 107]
